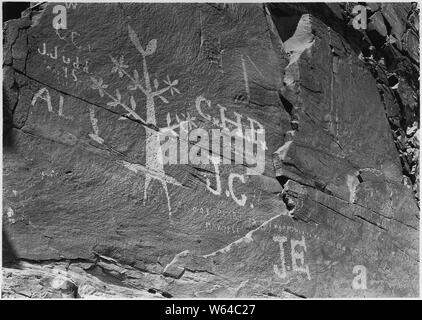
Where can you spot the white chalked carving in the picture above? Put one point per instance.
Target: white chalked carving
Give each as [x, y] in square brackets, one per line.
[66, 63]
[65, 60]
[44, 49]
[59, 35]
[242, 200]
[256, 68]
[44, 94]
[154, 168]
[72, 38]
[94, 121]
[280, 271]
[54, 56]
[297, 257]
[215, 161]
[61, 113]
[71, 5]
[245, 77]
[360, 280]
[247, 238]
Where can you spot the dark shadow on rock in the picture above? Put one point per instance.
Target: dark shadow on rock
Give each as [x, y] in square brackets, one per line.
[8, 252]
[286, 26]
[7, 123]
[13, 10]
[286, 17]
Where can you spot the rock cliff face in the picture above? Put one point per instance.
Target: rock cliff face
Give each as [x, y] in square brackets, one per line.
[90, 208]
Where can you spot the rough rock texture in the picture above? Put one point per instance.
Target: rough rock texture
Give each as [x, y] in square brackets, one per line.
[65, 280]
[86, 200]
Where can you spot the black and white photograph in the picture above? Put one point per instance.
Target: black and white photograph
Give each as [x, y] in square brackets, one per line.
[195, 151]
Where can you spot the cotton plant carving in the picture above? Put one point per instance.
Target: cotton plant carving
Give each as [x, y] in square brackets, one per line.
[154, 168]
